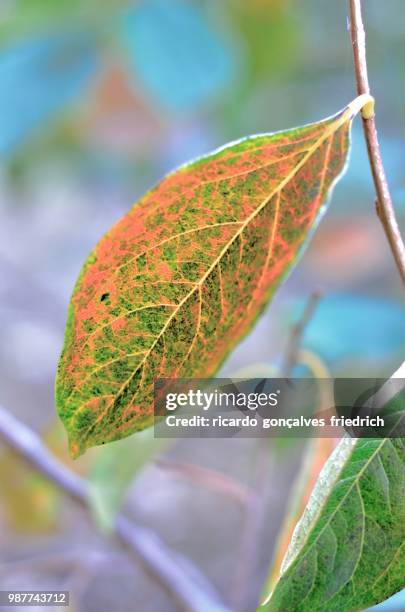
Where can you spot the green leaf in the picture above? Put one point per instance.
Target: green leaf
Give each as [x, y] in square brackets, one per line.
[115, 468]
[316, 453]
[347, 551]
[181, 278]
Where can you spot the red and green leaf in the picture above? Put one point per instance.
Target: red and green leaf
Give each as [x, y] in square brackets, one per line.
[182, 277]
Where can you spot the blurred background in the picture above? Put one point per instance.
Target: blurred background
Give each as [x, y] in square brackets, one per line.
[98, 100]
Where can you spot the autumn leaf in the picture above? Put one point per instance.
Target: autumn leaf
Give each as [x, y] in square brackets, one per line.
[182, 277]
[347, 551]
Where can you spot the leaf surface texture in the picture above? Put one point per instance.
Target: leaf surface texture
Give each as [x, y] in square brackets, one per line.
[182, 277]
[347, 551]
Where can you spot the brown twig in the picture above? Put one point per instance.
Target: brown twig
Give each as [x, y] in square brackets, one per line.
[385, 209]
[297, 332]
[181, 580]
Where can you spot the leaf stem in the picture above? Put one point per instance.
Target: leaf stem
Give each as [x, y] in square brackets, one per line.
[385, 207]
[181, 580]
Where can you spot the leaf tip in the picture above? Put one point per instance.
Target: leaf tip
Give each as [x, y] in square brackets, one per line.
[75, 449]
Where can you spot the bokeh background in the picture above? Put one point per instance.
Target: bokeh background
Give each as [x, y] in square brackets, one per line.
[98, 100]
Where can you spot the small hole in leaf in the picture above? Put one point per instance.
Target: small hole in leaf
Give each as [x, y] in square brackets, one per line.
[104, 297]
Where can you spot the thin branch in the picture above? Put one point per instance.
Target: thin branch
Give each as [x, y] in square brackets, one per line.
[385, 207]
[181, 580]
[297, 331]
